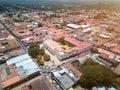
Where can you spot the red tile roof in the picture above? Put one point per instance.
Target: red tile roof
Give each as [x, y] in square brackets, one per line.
[80, 45]
[42, 84]
[13, 74]
[5, 35]
[75, 71]
[25, 88]
[116, 49]
[106, 53]
[27, 36]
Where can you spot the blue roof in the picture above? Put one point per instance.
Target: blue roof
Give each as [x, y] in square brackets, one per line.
[112, 88]
[103, 88]
[18, 59]
[24, 65]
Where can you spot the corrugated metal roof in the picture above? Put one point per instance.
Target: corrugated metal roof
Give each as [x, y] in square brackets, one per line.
[24, 65]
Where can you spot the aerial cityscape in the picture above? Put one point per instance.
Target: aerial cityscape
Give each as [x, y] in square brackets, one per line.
[59, 44]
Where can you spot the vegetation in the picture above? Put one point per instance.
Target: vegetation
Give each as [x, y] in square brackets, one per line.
[58, 26]
[39, 60]
[18, 20]
[40, 25]
[49, 5]
[94, 50]
[42, 51]
[95, 74]
[54, 15]
[38, 53]
[116, 83]
[34, 50]
[77, 65]
[39, 57]
[64, 23]
[63, 42]
[89, 61]
[46, 57]
[9, 14]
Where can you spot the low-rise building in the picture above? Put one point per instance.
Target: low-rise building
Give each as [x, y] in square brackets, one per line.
[69, 48]
[116, 49]
[7, 42]
[108, 58]
[8, 76]
[17, 69]
[23, 65]
[66, 77]
[42, 83]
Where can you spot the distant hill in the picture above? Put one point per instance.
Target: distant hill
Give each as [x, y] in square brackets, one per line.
[56, 4]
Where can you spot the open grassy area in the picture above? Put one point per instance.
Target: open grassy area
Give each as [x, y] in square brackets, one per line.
[63, 42]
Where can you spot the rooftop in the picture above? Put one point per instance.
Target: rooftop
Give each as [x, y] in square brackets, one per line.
[66, 76]
[116, 49]
[106, 53]
[23, 65]
[8, 75]
[42, 84]
[73, 26]
[8, 43]
[54, 45]
[80, 45]
[75, 71]
[66, 81]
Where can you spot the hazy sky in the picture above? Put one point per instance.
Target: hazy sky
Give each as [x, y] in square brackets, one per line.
[63, 0]
[59, 0]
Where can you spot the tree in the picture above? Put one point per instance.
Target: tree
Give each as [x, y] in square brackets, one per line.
[96, 74]
[46, 57]
[89, 61]
[39, 57]
[40, 25]
[116, 83]
[41, 62]
[58, 26]
[42, 50]
[34, 50]
[77, 65]
[94, 50]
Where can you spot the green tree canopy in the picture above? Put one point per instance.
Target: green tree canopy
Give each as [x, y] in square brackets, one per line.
[34, 50]
[89, 61]
[96, 74]
[39, 57]
[40, 25]
[41, 62]
[94, 50]
[46, 57]
[116, 83]
[42, 50]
